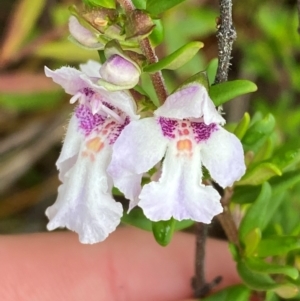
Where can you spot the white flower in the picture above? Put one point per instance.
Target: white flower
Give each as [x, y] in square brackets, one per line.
[186, 132]
[85, 203]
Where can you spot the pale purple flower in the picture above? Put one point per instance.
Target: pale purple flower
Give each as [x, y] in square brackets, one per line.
[85, 203]
[187, 135]
[83, 36]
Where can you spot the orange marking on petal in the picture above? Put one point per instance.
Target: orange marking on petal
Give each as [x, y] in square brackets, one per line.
[183, 124]
[95, 144]
[84, 154]
[185, 144]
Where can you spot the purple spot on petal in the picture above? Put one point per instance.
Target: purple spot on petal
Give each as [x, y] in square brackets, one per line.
[202, 131]
[108, 105]
[88, 92]
[116, 131]
[87, 121]
[168, 126]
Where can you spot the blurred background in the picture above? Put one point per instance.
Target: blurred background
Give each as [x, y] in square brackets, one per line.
[34, 111]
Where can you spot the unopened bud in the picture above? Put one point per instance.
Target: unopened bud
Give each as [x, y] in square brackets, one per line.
[120, 72]
[82, 34]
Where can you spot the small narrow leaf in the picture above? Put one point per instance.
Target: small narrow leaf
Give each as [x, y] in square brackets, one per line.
[176, 59]
[139, 4]
[255, 280]
[279, 245]
[247, 194]
[258, 132]
[242, 126]
[212, 70]
[156, 7]
[287, 291]
[157, 35]
[137, 218]
[251, 241]
[226, 91]
[101, 3]
[232, 293]
[259, 174]
[163, 231]
[259, 265]
[254, 217]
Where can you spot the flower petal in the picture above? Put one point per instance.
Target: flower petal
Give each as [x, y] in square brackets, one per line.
[84, 203]
[223, 155]
[83, 35]
[140, 146]
[67, 77]
[179, 192]
[71, 147]
[191, 101]
[91, 68]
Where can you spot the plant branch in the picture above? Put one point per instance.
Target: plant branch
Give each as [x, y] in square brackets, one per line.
[226, 35]
[298, 8]
[156, 78]
[226, 220]
[199, 284]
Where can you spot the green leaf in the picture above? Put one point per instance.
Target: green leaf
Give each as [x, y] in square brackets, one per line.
[163, 231]
[176, 59]
[137, 218]
[255, 280]
[254, 217]
[279, 245]
[262, 282]
[259, 174]
[101, 3]
[287, 290]
[156, 7]
[226, 91]
[247, 194]
[157, 35]
[232, 293]
[258, 132]
[242, 126]
[259, 265]
[286, 158]
[139, 4]
[251, 241]
[211, 70]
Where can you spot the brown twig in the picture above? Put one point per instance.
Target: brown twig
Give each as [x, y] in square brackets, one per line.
[226, 35]
[156, 78]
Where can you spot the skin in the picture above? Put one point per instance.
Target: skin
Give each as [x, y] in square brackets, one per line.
[128, 266]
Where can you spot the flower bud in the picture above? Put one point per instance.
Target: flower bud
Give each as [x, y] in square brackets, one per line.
[83, 35]
[120, 72]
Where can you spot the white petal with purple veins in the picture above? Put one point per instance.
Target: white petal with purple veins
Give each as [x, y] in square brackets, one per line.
[71, 147]
[84, 202]
[179, 192]
[140, 146]
[67, 77]
[223, 155]
[191, 101]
